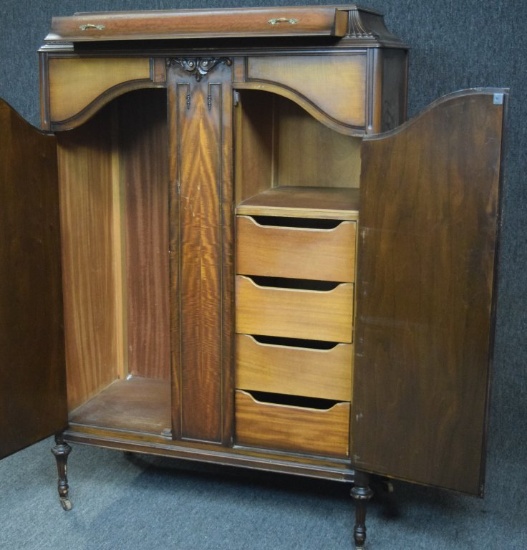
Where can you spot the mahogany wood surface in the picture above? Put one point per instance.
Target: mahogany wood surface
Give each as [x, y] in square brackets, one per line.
[292, 428]
[232, 22]
[279, 144]
[201, 245]
[75, 83]
[143, 160]
[427, 252]
[309, 78]
[253, 144]
[32, 370]
[309, 153]
[331, 468]
[137, 405]
[303, 202]
[393, 69]
[280, 367]
[91, 250]
[294, 312]
[276, 250]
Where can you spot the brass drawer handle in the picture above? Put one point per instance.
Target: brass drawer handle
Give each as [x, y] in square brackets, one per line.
[90, 26]
[282, 20]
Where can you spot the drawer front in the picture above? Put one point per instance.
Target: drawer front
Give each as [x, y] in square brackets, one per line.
[277, 251]
[309, 372]
[210, 23]
[290, 428]
[292, 313]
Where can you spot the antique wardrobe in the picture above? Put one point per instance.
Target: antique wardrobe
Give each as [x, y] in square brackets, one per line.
[227, 245]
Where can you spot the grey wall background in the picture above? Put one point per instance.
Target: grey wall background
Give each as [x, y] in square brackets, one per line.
[454, 44]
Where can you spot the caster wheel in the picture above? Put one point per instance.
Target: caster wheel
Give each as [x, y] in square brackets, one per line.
[66, 504]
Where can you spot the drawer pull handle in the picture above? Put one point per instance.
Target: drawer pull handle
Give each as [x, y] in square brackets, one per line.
[282, 20]
[90, 26]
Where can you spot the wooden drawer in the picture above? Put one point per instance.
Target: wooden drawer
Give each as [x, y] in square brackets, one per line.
[292, 428]
[293, 313]
[201, 23]
[276, 250]
[311, 372]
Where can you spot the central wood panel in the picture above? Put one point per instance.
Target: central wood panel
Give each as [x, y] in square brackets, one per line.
[200, 249]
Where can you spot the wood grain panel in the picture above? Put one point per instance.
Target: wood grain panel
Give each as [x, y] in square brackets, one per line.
[306, 79]
[254, 144]
[291, 428]
[143, 159]
[74, 83]
[32, 365]
[294, 313]
[92, 277]
[308, 153]
[298, 252]
[202, 241]
[427, 252]
[294, 370]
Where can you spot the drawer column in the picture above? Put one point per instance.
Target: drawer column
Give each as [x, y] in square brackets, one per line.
[294, 324]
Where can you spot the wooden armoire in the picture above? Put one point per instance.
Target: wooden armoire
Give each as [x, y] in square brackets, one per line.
[229, 246]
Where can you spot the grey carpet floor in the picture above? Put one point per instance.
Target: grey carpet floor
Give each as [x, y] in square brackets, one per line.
[137, 502]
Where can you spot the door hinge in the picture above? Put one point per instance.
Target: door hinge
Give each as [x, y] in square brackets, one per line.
[236, 98]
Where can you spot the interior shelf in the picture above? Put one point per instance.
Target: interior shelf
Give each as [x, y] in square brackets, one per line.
[303, 202]
[136, 405]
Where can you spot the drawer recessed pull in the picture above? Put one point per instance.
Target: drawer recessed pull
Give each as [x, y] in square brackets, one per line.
[292, 342]
[287, 283]
[279, 20]
[293, 400]
[320, 224]
[90, 26]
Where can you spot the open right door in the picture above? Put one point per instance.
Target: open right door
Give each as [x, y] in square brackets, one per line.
[428, 240]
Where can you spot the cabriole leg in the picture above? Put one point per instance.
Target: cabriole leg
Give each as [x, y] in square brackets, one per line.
[61, 450]
[361, 494]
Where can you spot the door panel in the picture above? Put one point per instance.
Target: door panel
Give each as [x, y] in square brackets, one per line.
[427, 253]
[32, 369]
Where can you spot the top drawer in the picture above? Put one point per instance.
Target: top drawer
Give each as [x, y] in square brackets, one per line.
[204, 23]
[269, 247]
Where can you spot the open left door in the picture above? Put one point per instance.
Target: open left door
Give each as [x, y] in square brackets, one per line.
[32, 366]
[426, 291]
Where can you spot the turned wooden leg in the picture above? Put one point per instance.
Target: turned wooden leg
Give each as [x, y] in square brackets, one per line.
[61, 450]
[361, 493]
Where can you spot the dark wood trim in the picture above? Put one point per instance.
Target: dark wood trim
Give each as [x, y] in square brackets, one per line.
[268, 461]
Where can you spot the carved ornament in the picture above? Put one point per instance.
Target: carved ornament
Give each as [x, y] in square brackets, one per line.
[198, 66]
[358, 28]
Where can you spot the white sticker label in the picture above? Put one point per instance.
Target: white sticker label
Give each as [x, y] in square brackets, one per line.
[498, 99]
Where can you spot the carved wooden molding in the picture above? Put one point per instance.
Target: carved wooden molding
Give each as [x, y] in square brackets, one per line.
[358, 28]
[367, 27]
[198, 66]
